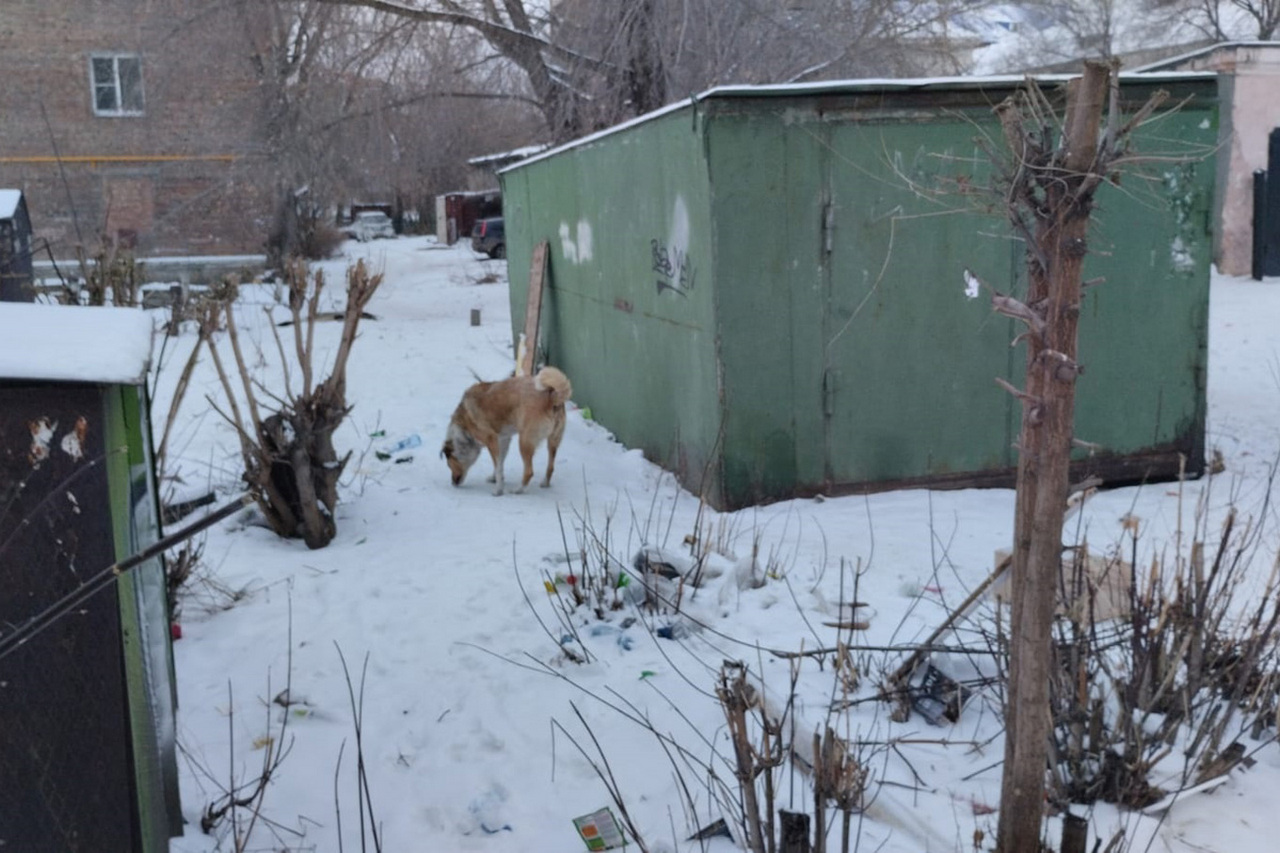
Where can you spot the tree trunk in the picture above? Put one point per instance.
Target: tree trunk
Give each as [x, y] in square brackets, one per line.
[282, 242]
[646, 76]
[1043, 465]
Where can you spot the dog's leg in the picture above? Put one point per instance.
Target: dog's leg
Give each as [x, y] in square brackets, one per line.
[497, 450]
[553, 444]
[528, 444]
[504, 441]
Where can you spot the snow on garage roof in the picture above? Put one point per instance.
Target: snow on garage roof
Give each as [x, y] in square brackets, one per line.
[69, 343]
[846, 87]
[9, 203]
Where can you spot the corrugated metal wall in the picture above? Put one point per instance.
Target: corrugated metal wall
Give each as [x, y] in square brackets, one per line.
[829, 232]
[629, 308]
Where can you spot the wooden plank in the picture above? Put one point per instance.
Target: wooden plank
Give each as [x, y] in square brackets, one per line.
[533, 310]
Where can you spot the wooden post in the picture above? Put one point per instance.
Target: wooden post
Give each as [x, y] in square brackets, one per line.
[1044, 452]
[819, 796]
[177, 309]
[533, 309]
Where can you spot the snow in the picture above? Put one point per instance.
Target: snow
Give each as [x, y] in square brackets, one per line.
[472, 717]
[1183, 58]
[9, 200]
[984, 79]
[514, 154]
[74, 344]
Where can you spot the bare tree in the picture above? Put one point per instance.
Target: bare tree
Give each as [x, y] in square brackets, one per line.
[1070, 30]
[590, 63]
[1049, 178]
[512, 31]
[1065, 32]
[348, 105]
[1224, 20]
[285, 44]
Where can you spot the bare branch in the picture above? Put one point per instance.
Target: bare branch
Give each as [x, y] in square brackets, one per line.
[1018, 392]
[284, 360]
[1012, 307]
[233, 335]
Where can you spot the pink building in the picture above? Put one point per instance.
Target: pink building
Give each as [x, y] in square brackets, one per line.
[1250, 112]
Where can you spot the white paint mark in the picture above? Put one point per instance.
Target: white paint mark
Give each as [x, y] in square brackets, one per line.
[584, 240]
[971, 285]
[41, 434]
[1180, 254]
[568, 248]
[576, 251]
[73, 442]
[678, 239]
[71, 446]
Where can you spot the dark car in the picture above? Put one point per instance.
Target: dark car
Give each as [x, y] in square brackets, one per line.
[489, 238]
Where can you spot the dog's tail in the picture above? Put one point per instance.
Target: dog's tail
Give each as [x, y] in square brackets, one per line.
[553, 380]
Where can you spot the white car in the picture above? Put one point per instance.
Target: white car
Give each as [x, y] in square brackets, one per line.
[369, 224]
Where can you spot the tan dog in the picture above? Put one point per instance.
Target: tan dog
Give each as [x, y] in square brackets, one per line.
[531, 407]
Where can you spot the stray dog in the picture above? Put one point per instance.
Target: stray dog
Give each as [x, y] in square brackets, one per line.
[531, 407]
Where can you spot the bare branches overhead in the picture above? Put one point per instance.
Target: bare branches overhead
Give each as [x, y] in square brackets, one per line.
[592, 63]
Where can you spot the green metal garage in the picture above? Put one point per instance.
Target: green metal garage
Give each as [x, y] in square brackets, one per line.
[763, 288]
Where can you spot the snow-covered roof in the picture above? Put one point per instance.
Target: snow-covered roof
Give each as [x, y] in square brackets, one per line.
[849, 87]
[513, 154]
[9, 203]
[1174, 61]
[69, 343]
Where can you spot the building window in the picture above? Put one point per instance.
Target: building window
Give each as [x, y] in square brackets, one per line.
[117, 84]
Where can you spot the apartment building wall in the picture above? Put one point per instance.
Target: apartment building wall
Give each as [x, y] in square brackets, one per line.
[169, 160]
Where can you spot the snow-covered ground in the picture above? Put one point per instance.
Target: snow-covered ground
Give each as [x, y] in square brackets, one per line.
[474, 720]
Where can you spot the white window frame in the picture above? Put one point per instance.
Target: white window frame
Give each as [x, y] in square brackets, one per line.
[114, 85]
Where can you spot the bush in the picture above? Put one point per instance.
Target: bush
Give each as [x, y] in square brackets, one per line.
[319, 240]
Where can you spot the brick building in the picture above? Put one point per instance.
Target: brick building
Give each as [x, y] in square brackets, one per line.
[133, 120]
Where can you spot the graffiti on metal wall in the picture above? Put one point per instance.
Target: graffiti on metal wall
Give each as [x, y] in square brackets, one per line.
[670, 257]
[675, 270]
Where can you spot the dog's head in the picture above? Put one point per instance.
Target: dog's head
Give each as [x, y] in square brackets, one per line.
[460, 450]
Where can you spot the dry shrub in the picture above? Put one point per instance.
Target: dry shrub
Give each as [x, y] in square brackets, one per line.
[290, 464]
[111, 270]
[1183, 677]
[319, 240]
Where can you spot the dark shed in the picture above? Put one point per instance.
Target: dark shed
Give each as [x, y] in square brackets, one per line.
[87, 756]
[16, 283]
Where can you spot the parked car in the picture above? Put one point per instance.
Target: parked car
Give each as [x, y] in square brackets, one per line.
[489, 237]
[369, 224]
